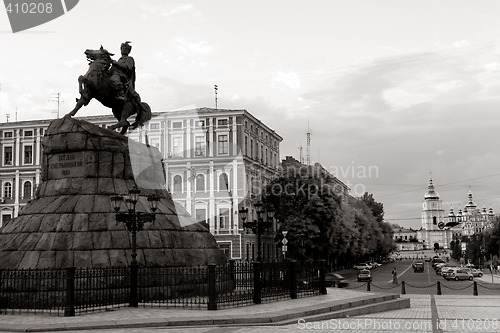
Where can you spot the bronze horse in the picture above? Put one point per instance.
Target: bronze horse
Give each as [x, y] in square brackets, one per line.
[95, 84]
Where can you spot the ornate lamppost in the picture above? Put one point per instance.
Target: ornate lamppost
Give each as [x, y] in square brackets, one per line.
[258, 226]
[134, 221]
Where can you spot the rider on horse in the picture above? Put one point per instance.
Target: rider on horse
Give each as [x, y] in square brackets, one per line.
[123, 77]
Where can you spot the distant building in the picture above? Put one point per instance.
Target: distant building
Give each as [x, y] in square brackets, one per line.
[471, 219]
[433, 233]
[216, 161]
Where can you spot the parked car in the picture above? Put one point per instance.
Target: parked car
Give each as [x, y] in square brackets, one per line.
[363, 266]
[461, 274]
[364, 275]
[374, 264]
[427, 259]
[476, 272]
[336, 280]
[447, 272]
[418, 267]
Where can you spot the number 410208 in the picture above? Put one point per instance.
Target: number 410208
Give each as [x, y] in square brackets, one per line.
[29, 8]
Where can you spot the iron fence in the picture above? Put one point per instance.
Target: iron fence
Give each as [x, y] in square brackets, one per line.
[73, 291]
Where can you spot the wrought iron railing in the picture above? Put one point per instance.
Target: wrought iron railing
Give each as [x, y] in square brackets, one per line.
[73, 291]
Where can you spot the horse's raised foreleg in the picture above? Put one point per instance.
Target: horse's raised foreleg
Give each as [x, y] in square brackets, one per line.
[83, 100]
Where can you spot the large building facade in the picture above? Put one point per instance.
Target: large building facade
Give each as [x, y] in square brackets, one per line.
[216, 162]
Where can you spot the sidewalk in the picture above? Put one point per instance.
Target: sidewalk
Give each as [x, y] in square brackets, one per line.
[168, 317]
[452, 313]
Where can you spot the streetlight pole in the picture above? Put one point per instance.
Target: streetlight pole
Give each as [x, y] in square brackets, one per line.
[134, 221]
[258, 226]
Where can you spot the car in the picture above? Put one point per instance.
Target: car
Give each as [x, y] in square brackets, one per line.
[476, 272]
[439, 269]
[427, 259]
[447, 272]
[364, 275]
[336, 280]
[416, 263]
[418, 267]
[363, 266]
[374, 264]
[461, 274]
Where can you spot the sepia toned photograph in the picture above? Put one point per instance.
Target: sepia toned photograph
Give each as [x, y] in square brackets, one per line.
[249, 166]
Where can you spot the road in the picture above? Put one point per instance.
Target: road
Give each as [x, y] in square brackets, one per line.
[420, 283]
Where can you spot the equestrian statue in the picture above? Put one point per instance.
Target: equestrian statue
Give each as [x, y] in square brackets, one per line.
[113, 84]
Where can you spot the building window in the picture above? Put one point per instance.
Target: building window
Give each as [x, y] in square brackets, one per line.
[200, 183]
[251, 148]
[7, 135]
[223, 182]
[223, 144]
[28, 133]
[177, 146]
[199, 146]
[223, 218]
[246, 145]
[201, 214]
[177, 184]
[28, 154]
[27, 190]
[155, 142]
[7, 156]
[434, 220]
[199, 123]
[7, 190]
[155, 126]
[222, 122]
[177, 124]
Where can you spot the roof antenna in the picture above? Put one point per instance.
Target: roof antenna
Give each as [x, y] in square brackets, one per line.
[215, 88]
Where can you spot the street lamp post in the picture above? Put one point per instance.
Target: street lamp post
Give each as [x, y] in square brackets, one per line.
[258, 226]
[134, 221]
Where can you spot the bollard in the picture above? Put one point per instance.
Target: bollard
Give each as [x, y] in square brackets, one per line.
[368, 285]
[439, 287]
[475, 288]
[403, 288]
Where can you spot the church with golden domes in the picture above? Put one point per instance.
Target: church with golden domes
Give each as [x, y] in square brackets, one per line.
[438, 230]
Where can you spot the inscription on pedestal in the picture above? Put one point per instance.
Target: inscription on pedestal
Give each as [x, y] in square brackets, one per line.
[65, 165]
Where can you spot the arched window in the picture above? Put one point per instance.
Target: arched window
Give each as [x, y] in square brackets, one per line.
[223, 182]
[177, 183]
[27, 190]
[7, 190]
[200, 183]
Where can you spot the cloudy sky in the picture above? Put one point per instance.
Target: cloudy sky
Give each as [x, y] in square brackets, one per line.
[392, 90]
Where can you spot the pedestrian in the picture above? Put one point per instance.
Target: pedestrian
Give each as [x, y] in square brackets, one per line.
[394, 276]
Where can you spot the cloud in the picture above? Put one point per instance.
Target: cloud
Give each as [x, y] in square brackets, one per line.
[187, 47]
[287, 79]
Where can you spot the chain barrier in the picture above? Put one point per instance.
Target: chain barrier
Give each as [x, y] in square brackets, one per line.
[395, 286]
[431, 285]
[364, 284]
[470, 285]
[483, 286]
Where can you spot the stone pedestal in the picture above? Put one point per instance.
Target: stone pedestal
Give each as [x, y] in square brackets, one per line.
[71, 221]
